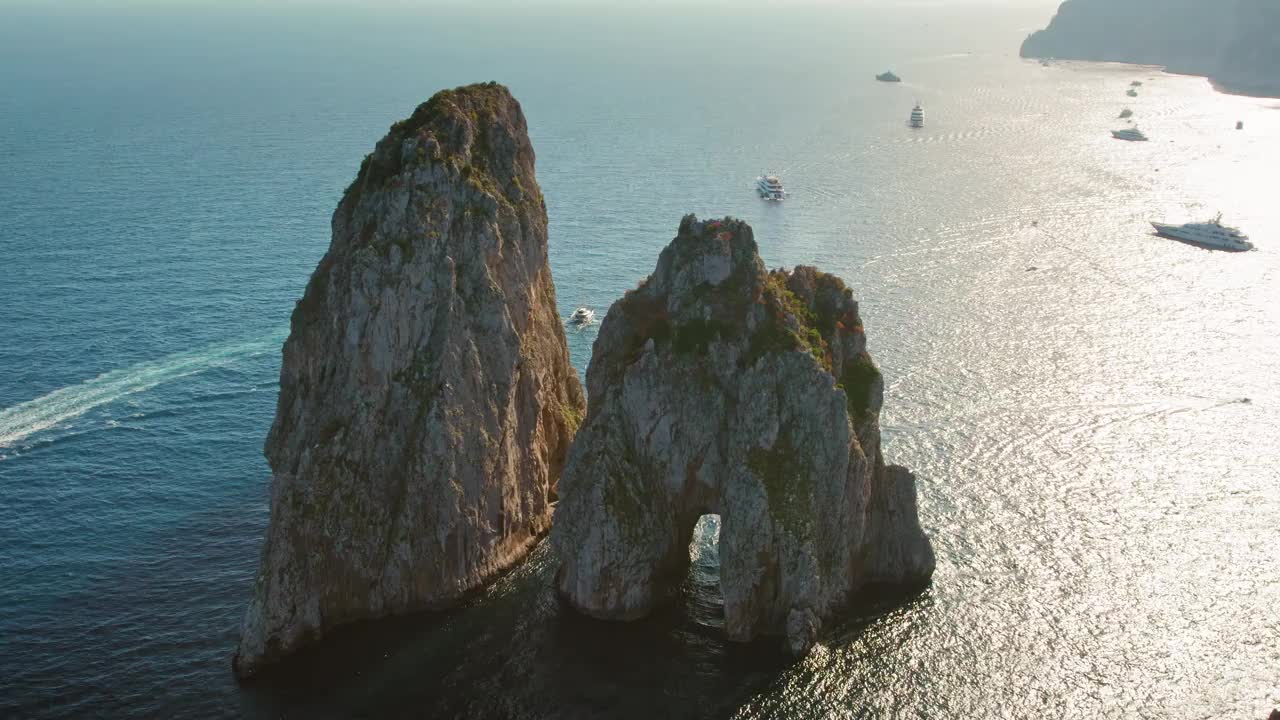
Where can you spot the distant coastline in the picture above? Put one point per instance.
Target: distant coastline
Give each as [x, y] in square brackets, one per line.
[1235, 44]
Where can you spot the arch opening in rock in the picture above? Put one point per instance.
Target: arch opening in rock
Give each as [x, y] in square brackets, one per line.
[703, 597]
[718, 387]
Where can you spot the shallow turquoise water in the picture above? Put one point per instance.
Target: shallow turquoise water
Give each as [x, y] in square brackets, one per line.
[1092, 410]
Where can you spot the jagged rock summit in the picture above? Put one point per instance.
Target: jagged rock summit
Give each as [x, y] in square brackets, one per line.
[426, 396]
[717, 387]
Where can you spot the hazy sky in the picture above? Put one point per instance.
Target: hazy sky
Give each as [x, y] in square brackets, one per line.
[24, 22]
[475, 4]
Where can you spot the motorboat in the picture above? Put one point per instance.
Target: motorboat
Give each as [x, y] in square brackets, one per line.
[582, 316]
[770, 188]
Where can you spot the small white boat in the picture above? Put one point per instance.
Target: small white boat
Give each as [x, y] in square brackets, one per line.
[770, 188]
[917, 116]
[1213, 235]
[1130, 134]
[582, 316]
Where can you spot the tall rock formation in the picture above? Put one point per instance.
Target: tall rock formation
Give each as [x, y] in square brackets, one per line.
[1236, 43]
[717, 387]
[426, 396]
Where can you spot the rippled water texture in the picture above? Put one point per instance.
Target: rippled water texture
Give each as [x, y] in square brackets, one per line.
[1092, 411]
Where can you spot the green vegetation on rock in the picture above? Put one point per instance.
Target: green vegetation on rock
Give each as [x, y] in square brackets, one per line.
[625, 504]
[695, 336]
[777, 334]
[787, 484]
[859, 377]
[571, 416]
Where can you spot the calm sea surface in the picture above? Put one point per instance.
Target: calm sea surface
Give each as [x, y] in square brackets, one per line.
[1093, 412]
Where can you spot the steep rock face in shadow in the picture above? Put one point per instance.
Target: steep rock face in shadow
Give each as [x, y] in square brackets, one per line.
[426, 397]
[1250, 59]
[1234, 42]
[1177, 33]
[718, 387]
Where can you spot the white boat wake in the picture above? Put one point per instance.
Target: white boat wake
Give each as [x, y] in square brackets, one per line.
[25, 419]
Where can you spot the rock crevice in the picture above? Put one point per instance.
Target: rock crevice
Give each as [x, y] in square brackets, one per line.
[426, 397]
[718, 387]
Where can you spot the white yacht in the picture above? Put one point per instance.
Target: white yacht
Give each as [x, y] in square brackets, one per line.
[917, 116]
[770, 188]
[1130, 134]
[1212, 234]
[582, 316]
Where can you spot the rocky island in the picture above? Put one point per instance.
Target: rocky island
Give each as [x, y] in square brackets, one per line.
[427, 409]
[717, 387]
[426, 399]
[1235, 43]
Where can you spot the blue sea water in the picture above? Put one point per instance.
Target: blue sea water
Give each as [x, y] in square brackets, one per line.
[1092, 411]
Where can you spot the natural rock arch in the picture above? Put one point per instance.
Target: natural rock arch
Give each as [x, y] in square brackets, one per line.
[717, 387]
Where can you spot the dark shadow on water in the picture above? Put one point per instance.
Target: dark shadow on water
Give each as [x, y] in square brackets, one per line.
[516, 651]
[344, 666]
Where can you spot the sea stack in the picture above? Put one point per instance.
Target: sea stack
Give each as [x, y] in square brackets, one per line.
[426, 400]
[717, 387]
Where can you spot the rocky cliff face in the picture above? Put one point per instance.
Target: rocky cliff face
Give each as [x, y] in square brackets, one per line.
[1250, 59]
[717, 387]
[1234, 42]
[426, 396]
